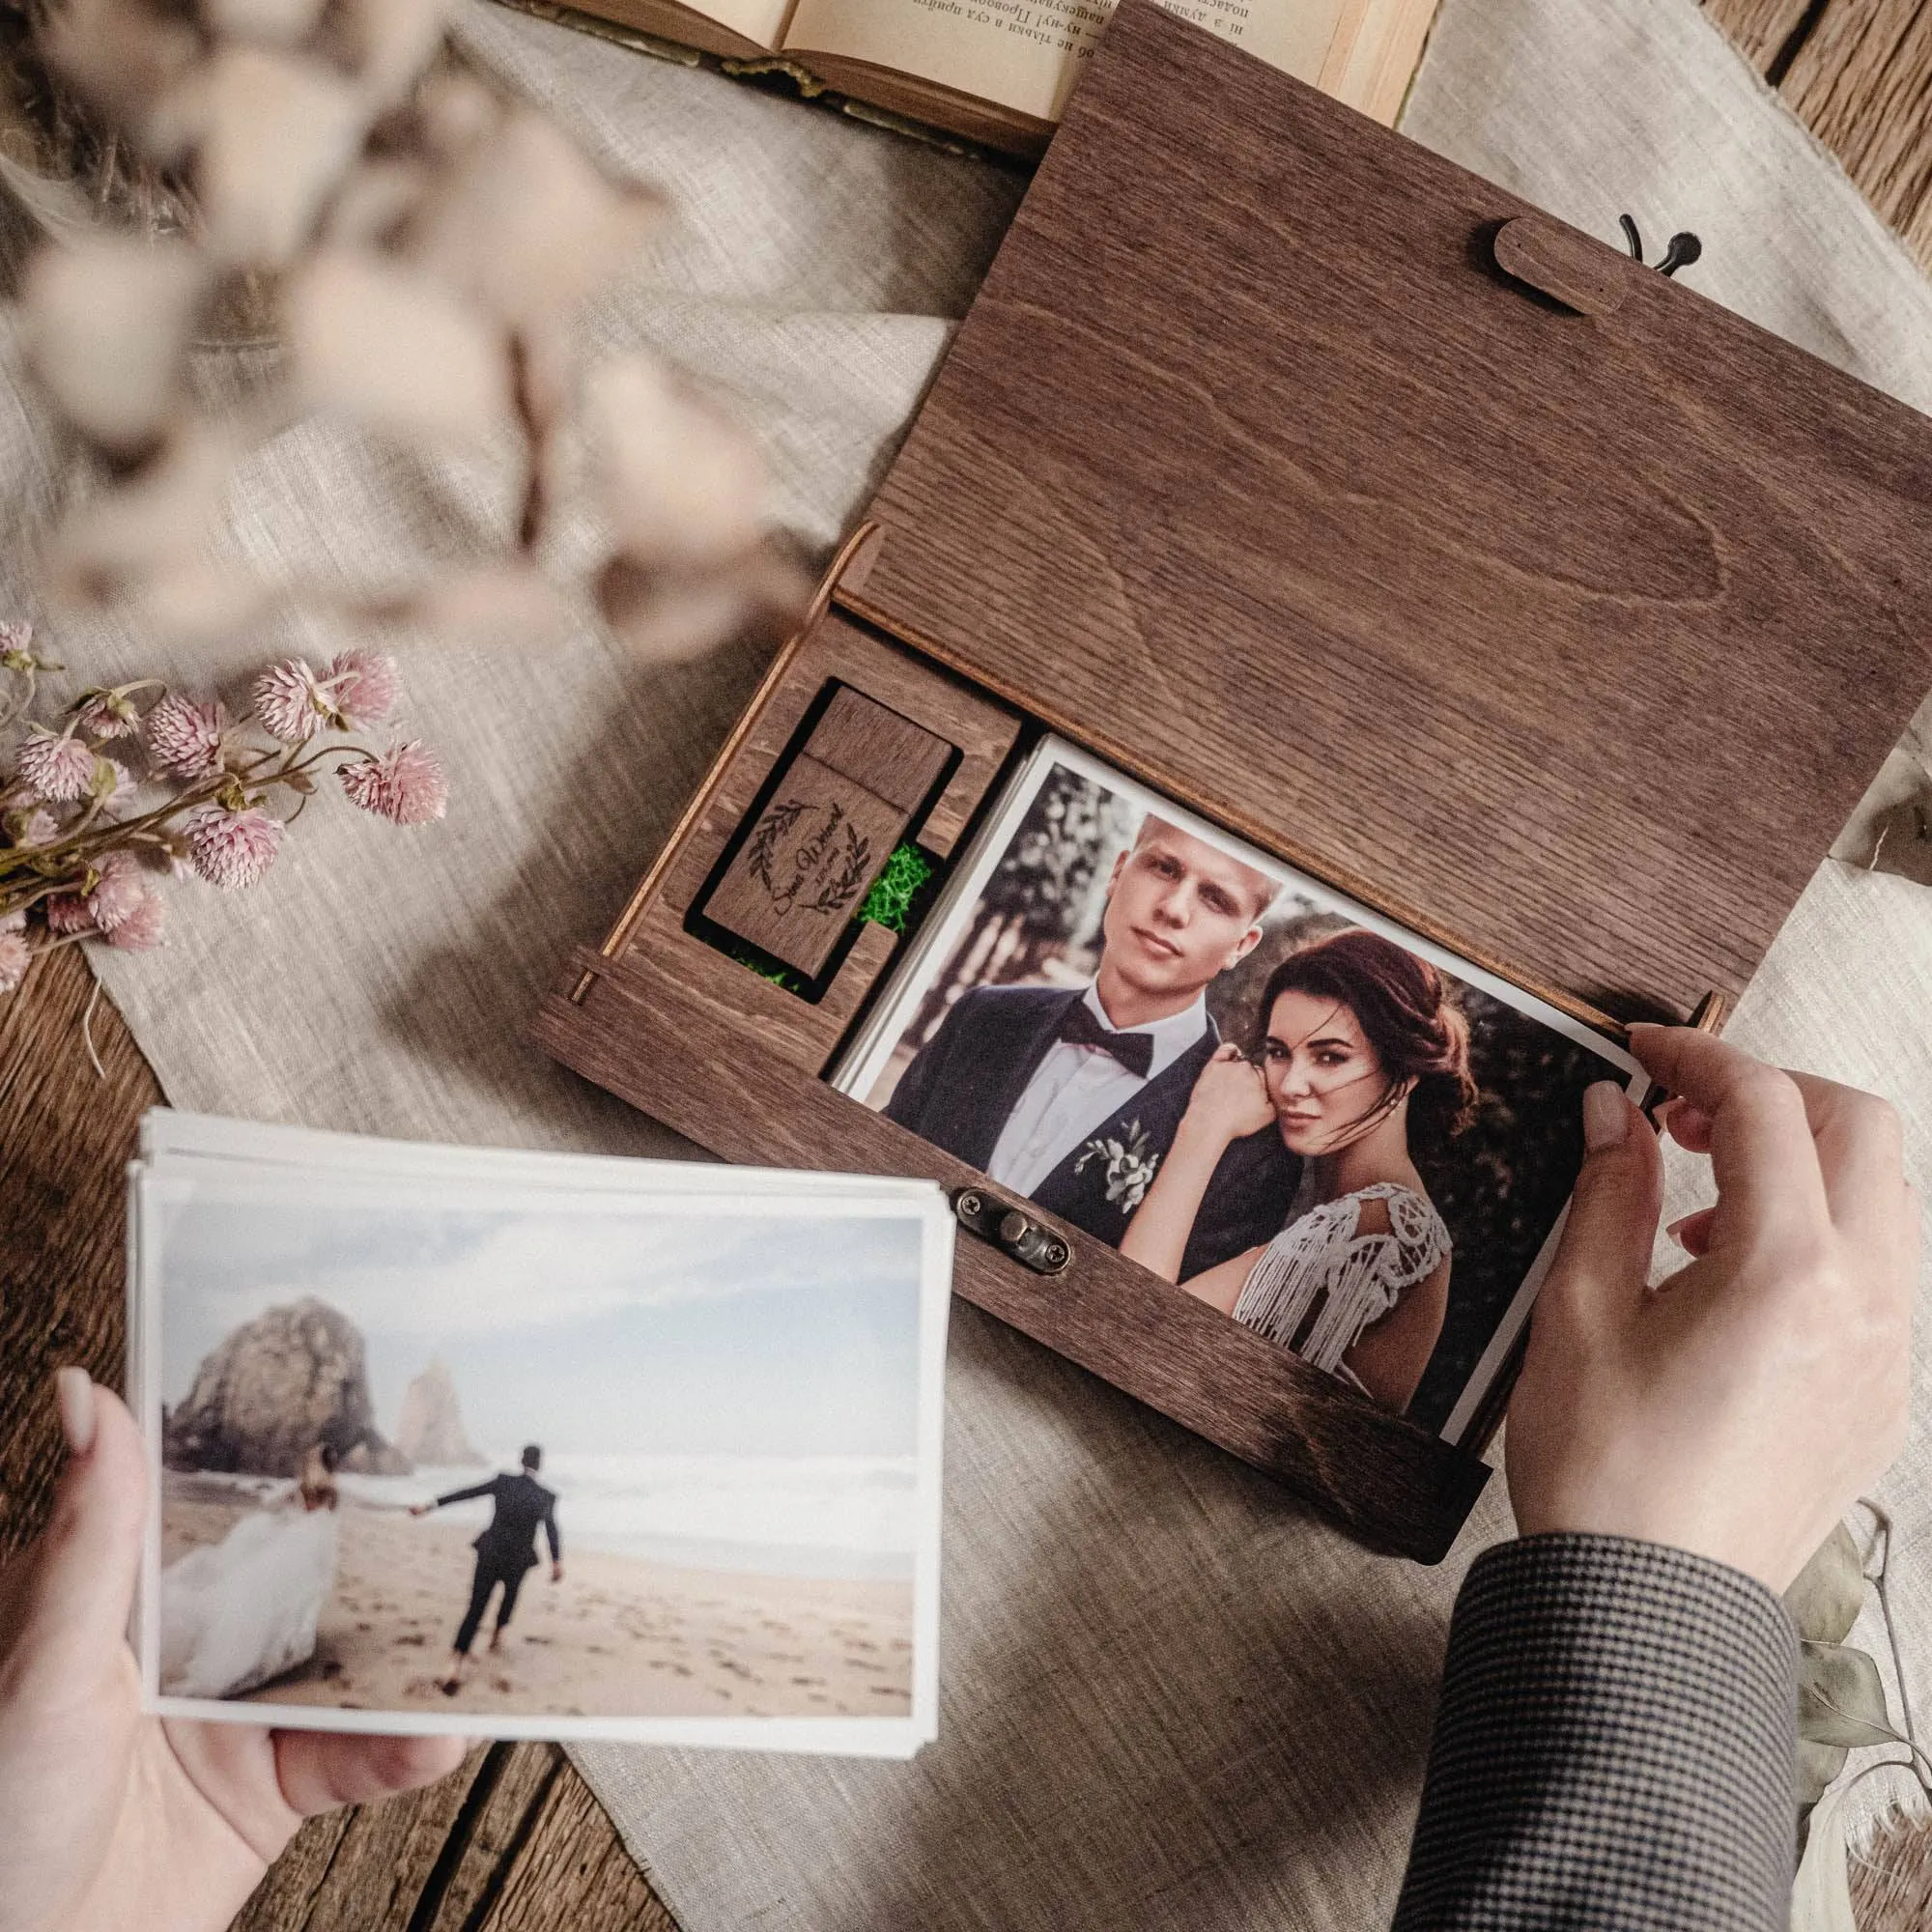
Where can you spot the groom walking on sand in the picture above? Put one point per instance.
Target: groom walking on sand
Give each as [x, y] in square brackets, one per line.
[506, 1552]
[1072, 1098]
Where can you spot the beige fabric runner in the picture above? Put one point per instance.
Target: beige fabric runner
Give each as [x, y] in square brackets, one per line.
[1173, 1699]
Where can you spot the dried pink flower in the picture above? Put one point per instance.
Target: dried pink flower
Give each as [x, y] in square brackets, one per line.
[55, 765]
[118, 892]
[183, 737]
[113, 782]
[17, 635]
[232, 848]
[69, 913]
[364, 685]
[39, 827]
[108, 714]
[289, 702]
[406, 784]
[16, 956]
[142, 927]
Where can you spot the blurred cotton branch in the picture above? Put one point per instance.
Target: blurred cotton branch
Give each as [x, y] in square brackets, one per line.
[425, 248]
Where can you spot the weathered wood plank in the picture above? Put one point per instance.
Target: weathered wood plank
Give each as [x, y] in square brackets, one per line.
[365, 1869]
[1767, 32]
[65, 1137]
[1862, 83]
[1858, 74]
[574, 1871]
[507, 1801]
[1891, 1884]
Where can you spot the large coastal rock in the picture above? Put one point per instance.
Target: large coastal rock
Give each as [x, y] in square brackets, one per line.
[273, 1389]
[430, 1427]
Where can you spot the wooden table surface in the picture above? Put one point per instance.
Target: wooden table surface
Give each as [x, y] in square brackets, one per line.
[514, 1841]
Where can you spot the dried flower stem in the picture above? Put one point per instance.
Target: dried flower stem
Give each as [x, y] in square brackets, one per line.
[62, 882]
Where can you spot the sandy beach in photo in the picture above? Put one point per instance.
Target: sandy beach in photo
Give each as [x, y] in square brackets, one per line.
[620, 1636]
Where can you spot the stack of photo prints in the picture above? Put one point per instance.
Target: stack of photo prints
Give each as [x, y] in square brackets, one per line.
[1340, 1135]
[534, 1445]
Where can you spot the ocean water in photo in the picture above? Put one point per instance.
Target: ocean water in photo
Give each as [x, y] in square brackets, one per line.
[814, 1516]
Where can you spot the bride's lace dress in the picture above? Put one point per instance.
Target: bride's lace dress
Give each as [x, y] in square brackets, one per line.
[242, 1610]
[1323, 1280]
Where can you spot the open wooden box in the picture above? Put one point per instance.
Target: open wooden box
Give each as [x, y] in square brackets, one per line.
[1427, 544]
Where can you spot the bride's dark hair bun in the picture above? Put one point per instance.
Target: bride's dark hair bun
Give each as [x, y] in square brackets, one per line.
[1406, 1011]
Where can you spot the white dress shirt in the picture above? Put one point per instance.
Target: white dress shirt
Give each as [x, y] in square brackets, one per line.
[1075, 1091]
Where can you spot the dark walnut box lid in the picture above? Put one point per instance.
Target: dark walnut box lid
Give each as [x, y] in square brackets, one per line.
[1570, 630]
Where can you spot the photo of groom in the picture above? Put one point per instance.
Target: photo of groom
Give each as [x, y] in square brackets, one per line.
[506, 1551]
[1072, 1097]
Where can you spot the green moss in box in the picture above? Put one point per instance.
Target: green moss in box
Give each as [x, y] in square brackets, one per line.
[899, 891]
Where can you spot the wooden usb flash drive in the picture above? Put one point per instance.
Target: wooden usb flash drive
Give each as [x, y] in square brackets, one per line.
[838, 809]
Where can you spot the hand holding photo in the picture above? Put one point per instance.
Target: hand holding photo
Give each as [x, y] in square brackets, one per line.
[1339, 1134]
[381, 1402]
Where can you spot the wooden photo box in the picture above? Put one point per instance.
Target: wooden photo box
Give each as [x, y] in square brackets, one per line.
[1419, 540]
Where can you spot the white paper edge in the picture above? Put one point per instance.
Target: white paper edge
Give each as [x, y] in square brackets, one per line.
[168, 1135]
[827, 1737]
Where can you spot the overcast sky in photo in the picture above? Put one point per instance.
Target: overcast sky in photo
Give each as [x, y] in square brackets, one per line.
[593, 1328]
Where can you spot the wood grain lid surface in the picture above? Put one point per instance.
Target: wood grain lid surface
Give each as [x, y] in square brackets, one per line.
[893, 758]
[1578, 632]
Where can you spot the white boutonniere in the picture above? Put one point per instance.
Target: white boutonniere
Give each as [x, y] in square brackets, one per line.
[1130, 1165]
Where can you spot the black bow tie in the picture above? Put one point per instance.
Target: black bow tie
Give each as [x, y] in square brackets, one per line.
[1133, 1050]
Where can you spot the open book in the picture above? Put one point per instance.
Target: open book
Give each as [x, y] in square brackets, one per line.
[999, 72]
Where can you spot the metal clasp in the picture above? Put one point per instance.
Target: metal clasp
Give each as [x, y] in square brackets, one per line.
[1012, 1229]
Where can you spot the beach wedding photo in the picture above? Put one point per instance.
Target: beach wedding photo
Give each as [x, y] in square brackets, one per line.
[653, 1465]
[1340, 1135]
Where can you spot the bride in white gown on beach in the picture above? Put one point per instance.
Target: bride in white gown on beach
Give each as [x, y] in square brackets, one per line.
[1362, 1045]
[238, 1612]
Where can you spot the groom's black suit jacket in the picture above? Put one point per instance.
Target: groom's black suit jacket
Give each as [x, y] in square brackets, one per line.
[523, 1505]
[967, 1079]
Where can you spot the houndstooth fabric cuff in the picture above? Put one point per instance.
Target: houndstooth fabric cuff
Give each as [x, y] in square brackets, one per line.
[1615, 1748]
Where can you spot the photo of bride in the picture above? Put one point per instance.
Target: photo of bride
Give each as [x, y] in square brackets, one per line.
[1361, 1047]
[1337, 1133]
[238, 1612]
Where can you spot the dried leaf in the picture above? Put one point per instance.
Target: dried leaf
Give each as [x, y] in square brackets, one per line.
[682, 490]
[503, 606]
[526, 225]
[281, 24]
[669, 619]
[106, 326]
[389, 348]
[1817, 1766]
[270, 134]
[1825, 1601]
[1901, 840]
[121, 56]
[1841, 1697]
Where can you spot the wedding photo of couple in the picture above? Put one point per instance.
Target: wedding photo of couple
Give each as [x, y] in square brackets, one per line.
[383, 1411]
[1337, 1134]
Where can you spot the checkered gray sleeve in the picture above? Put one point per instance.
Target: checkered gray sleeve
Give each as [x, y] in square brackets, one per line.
[1614, 1748]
